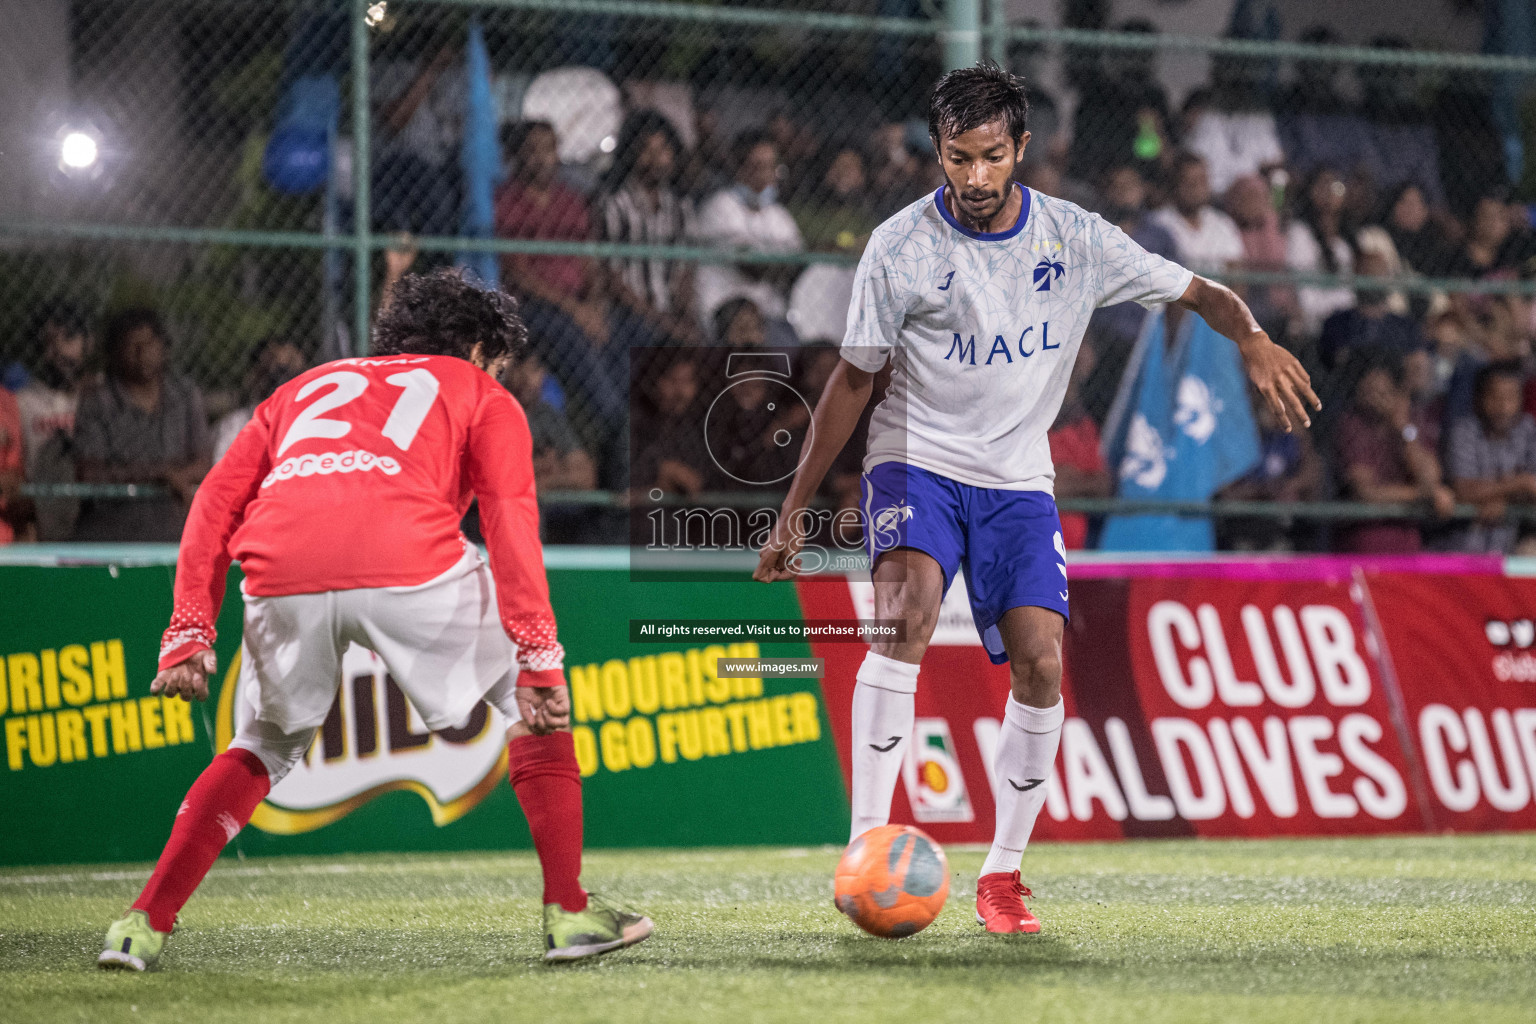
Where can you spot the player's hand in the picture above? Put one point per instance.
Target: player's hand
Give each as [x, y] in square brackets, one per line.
[545, 709]
[1281, 381]
[188, 679]
[776, 559]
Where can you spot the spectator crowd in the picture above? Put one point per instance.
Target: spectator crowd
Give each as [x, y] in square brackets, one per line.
[1427, 394]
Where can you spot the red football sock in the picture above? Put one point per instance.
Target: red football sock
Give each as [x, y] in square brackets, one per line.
[548, 785]
[217, 807]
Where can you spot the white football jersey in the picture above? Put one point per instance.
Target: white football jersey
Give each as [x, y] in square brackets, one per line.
[982, 330]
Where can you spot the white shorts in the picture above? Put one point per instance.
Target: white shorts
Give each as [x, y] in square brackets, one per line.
[442, 641]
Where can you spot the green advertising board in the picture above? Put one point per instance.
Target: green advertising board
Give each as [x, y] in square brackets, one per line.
[671, 753]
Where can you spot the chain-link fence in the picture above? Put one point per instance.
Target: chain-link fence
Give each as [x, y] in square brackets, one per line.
[653, 177]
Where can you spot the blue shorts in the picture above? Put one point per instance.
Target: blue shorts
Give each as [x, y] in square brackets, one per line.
[1008, 542]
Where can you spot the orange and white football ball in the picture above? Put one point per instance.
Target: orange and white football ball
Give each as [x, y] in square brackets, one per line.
[892, 881]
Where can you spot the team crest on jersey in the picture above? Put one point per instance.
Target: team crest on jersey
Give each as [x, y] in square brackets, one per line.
[1046, 271]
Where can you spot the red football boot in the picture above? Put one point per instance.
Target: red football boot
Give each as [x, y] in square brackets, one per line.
[1000, 904]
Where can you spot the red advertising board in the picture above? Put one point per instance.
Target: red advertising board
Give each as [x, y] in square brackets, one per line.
[1266, 712]
[1464, 651]
[1236, 702]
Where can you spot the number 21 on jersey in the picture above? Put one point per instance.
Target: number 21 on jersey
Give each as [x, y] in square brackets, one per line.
[419, 390]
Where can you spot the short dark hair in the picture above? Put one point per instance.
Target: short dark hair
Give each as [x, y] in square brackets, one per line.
[123, 323]
[515, 135]
[65, 317]
[966, 98]
[828, 155]
[1486, 375]
[658, 362]
[1182, 159]
[1384, 361]
[270, 342]
[445, 314]
[743, 145]
[729, 310]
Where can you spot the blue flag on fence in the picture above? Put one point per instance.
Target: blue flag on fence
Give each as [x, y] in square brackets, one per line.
[479, 157]
[297, 158]
[1181, 429]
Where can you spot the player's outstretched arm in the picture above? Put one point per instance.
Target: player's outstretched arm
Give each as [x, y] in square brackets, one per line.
[1277, 375]
[202, 563]
[499, 469]
[832, 424]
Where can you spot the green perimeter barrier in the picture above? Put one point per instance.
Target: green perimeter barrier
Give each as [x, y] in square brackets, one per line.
[94, 767]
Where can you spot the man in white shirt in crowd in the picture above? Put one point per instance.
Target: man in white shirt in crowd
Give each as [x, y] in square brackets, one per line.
[748, 215]
[1208, 240]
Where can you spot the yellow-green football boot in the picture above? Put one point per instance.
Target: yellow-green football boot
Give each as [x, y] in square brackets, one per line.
[132, 945]
[596, 930]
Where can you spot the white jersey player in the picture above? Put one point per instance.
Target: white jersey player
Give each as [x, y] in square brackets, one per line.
[977, 297]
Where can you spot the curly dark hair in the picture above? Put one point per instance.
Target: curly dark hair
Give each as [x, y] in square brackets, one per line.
[446, 314]
[63, 316]
[967, 98]
[743, 145]
[1486, 375]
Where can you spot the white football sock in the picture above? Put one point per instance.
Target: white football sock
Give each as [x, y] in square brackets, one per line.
[883, 708]
[1026, 749]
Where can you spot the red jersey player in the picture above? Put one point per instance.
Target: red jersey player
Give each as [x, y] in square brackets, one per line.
[342, 500]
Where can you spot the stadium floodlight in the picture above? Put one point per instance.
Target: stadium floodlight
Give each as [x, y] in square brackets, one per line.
[376, 13]
[78, 151]
[85, 153]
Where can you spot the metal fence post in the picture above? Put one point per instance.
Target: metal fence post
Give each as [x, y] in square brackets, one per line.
[362, 214]
[997, 31]
[962, 33]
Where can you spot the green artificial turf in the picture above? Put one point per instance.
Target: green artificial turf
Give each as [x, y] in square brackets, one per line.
[1403, 929]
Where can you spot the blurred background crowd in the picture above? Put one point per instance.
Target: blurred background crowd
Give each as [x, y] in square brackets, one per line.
[769, 164]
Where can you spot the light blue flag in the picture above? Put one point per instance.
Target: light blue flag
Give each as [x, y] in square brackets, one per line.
[1183, 431]
[479, 157]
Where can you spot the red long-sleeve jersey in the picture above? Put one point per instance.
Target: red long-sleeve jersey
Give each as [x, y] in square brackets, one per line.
[356, 474]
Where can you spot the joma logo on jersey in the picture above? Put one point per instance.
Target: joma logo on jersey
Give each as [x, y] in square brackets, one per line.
[1028, 344]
